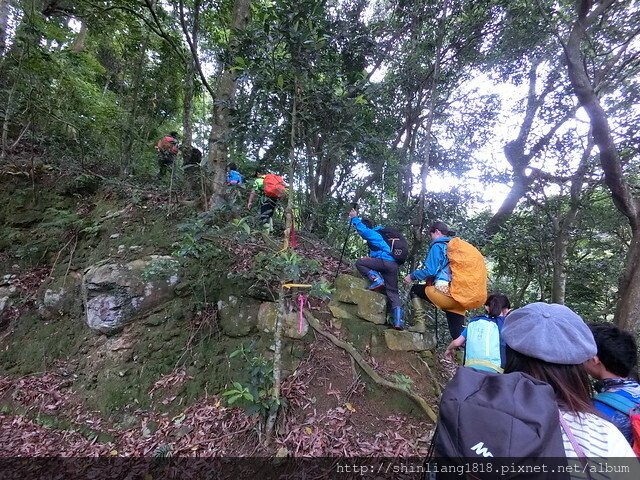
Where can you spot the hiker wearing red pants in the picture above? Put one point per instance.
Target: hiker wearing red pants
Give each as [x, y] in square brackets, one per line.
[380, 266]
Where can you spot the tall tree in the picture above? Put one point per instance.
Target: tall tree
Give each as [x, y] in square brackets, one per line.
[5, 11]
[619, 57]
[223, 103]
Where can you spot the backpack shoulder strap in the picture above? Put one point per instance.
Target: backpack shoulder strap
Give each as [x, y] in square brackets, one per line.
[616, 400]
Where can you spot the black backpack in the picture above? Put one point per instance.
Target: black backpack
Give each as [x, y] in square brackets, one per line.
[397, 243]
[502, 419]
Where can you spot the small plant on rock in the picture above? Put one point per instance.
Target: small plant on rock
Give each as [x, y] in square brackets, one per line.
[256, 396]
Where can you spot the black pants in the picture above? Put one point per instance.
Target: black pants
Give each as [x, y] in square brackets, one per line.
[454, 320]
[388, 270]
[165, 159]
[267, 208]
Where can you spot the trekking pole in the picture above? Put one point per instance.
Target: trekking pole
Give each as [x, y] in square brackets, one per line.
[173, 169]
[344, 245]
[435, 309]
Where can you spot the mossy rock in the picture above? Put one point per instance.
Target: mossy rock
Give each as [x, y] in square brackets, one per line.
[408, 341]
[268, 314]
[343, 310]
[238, 315]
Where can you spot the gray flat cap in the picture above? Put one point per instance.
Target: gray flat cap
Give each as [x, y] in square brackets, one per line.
[550, 332]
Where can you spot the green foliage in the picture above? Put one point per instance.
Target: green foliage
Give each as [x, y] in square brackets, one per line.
[404, 381]
[521, 259]
[160, 268]
[322, 289]
[256, 396]
[287, 266]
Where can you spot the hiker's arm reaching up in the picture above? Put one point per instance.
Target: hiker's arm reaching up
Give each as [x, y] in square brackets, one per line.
[371, 236]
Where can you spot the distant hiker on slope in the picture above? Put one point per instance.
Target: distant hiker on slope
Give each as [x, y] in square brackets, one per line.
[270, 187]
[233, 175]
[167, 150]
[380, 266]
[439, 276]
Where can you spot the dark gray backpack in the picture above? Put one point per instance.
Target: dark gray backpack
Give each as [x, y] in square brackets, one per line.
[505, 420]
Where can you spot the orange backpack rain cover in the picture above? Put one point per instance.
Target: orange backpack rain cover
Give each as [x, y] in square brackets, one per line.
[274, 186]
[468, 274]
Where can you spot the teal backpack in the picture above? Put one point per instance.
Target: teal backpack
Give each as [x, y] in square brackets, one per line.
[484, 348]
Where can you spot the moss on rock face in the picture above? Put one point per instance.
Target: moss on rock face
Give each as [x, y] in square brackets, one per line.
[35, 345]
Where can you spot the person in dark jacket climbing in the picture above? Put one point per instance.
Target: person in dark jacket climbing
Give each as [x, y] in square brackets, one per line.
[380, 266]
[167, 149]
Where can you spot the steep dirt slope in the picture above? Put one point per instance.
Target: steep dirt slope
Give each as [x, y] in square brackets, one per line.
[156, 387]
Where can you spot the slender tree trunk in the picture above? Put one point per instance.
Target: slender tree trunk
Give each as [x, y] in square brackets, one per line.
[424, 168]
[223, 109]
[9, 107]
[132, 117]
[628, 311]
[80, 41]
[563, 228]
[5, 8]
[292, 169]
[187, 106]
[559, 255]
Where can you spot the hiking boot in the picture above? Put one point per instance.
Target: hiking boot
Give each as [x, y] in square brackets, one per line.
[420, 315]
[398, 322]
[376, 280]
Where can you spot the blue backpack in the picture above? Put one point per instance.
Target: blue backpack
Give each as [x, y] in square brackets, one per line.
[484, 348]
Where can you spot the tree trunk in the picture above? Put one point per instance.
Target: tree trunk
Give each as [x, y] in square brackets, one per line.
[223, 109]
[187, 105]
[418, 231]
[5, 8]
[563, 228]
[132, 117]
[8, 113]
[81, 40]
[628, 312]
[516, 153]
[288, 228]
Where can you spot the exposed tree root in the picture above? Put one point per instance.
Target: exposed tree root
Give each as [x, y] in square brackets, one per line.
[421, 402]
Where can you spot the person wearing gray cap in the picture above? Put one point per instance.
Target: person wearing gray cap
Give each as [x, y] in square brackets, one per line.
[550, 342]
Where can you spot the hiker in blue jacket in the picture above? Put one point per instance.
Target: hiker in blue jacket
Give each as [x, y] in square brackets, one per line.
[437, 274]
[612, 367]
[380, 267]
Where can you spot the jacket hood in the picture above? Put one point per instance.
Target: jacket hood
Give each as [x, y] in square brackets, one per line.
[441, 240]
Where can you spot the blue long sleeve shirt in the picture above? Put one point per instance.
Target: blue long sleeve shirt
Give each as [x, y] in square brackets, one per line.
[378, 247]
[436, 263]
